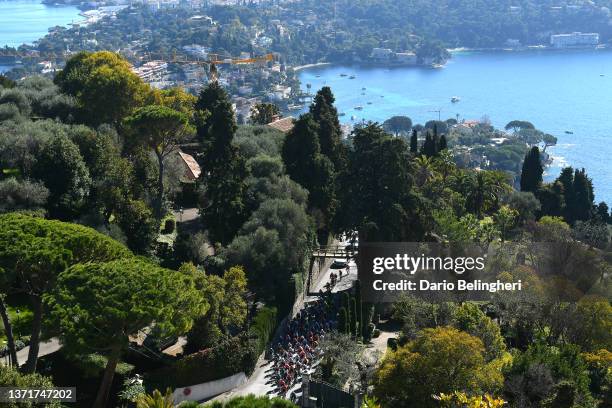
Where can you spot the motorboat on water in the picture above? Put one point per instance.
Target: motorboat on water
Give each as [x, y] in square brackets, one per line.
[455, 99]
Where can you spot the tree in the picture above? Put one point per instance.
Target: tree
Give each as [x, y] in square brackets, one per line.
[603, 213]
[414, 142]
[223, 168]
[11, 377]
[379, 172]
[549, 140]
[443, 143]
[138, 224]
[61, 168]
[483, 190]
[583, 197]
[97, 307]
[505, 218]
[227, 306]
[440, 360]
[22, 195]
[329, 131]
[398, 125]
[161, 129]
[156, 400]
[518, 125]
[208, 99]
[104, 86]
[343, 321]
[306, 165]
[470, 319]
[531, 174]
[264, 113]
[35, 251]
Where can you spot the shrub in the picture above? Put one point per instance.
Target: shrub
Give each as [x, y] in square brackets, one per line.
[169, 225]
[251, 401]
[263, 326]
[230, 357]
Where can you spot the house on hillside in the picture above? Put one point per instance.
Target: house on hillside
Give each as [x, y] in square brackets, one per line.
[191, 167]
[284, 125]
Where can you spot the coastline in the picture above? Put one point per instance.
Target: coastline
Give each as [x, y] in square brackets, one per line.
[315, 65]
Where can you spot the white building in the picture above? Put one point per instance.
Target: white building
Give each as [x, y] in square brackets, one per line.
[381, 53]
[406, 58]
[152, 71]
[576, 39]
[279, 93]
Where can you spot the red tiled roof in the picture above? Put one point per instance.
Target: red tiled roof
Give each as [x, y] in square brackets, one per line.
[284, 125]
[193, 168]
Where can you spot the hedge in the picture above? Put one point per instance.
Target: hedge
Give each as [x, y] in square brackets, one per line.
[251, 401]
[264, 325]
[231, 356]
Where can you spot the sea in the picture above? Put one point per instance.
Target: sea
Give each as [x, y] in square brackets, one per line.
[25, 21]
[564, 93]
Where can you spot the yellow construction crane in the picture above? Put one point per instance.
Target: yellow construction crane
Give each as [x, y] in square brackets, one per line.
[212, 61]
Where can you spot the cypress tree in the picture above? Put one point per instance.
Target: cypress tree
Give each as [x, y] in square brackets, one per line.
[603, 212]
[343, 321]
[443, 143]
[583, 196]
[359, 305]
[306, 165]
[329, 131]
[414, 142]
[429, 147]
[566, 179]
[436, 141]
[223, 169]
[354, 321]
[531, 174]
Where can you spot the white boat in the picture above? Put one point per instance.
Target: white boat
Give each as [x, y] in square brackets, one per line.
[455, 99]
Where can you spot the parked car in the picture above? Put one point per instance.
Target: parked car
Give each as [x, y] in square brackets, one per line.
[339, 264]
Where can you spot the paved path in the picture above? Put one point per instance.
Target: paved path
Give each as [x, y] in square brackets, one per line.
[259, 383]
[45, 348]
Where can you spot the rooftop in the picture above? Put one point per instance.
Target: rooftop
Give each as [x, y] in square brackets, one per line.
[284, 125]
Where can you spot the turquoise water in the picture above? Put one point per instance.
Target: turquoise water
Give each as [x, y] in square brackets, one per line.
[25, 21]
[556, 91]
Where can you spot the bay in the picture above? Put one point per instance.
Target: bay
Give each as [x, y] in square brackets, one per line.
[25, 21]
[557, 91]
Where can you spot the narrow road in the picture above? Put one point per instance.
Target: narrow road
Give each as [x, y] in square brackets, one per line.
[45, 348]
[259, 384]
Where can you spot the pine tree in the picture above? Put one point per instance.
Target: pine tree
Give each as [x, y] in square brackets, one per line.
[414, 142]
[531, 174]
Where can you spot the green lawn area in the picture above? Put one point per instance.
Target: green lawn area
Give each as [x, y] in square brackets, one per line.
[21, 321]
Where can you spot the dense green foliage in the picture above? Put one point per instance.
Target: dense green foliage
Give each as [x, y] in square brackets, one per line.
[251, 401]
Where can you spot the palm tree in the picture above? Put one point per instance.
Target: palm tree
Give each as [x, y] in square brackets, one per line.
[484, 190]
[444, 163]
[156, 400]
[424, 169]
